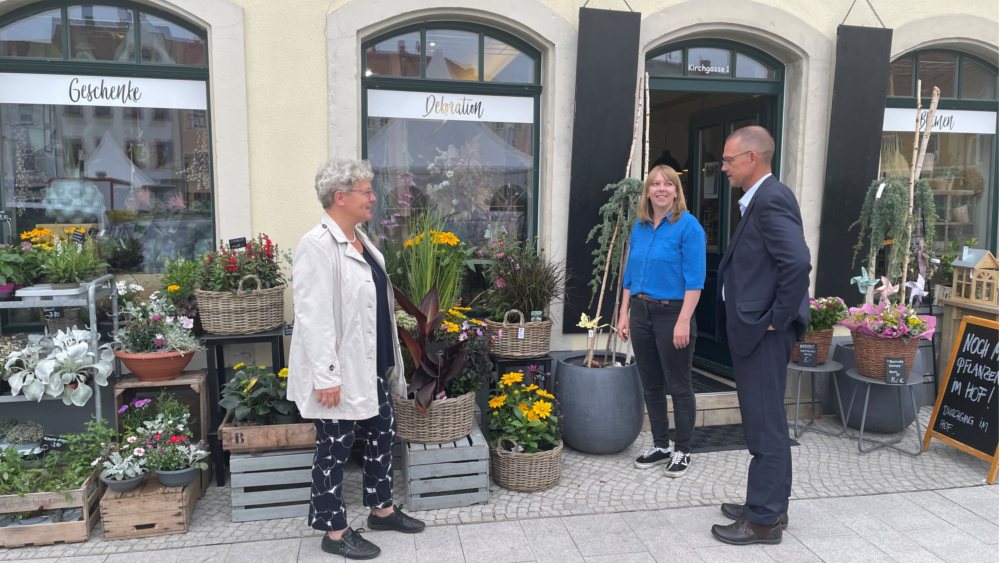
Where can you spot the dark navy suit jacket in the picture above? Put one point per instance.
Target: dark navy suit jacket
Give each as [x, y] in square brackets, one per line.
[765, 271]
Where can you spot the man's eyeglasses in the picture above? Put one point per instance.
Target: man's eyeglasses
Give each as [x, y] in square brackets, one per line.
[366, 193]
[730, 159]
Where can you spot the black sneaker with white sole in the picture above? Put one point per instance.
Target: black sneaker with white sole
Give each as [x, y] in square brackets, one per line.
[654, 456]
[679, 463]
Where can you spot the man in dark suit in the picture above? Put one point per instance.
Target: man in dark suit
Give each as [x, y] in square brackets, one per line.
[763, 303]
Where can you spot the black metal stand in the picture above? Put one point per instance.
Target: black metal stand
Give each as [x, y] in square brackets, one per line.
[868, 382]
[830, 367]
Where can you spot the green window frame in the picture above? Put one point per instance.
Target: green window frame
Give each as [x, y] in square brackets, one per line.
[957, 103]
[479, 86]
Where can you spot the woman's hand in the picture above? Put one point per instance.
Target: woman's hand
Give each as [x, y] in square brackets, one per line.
[329, 398]
[682, 333]
[622, 327]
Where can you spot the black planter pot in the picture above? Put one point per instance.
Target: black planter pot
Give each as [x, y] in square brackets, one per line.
[179, 478]
[884, 402]
[602, 408]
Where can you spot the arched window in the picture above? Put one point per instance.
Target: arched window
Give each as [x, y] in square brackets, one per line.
[104, 124]
[961, 154]
[451, 115]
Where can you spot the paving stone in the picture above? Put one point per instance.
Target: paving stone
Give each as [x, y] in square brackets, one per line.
[694, 525]
[845, 549]
[621, 558]
[790, 550]
[275, 551]
[954, 546]
[309, 551]
[439, 545]
[974, 500]
[203, 554]
[604, 534]
[889, 540]
[550, 541]
[957, 515]
[499, 542]
[728, 553]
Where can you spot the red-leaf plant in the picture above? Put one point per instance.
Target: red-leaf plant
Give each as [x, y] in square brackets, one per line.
[436, 362]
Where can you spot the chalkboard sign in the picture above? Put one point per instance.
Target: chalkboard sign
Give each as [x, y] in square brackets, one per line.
[966, 414]
[289, 328]
[92, 232]
[235, 243]
[52, 313]
[53, 442]
[807, 354]
[79, 237]
[895, 371]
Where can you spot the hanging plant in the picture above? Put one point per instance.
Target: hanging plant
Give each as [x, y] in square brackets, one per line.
[618, 216]
[886, 217]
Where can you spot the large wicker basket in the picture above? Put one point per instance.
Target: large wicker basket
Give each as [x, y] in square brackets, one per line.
[527, 473]
[258, 310]
[445, 421]
[534, 344]
[870, 353]
[822, 340]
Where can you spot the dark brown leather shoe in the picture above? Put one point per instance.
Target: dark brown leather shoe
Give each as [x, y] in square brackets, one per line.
[735, 512]
[744, 532]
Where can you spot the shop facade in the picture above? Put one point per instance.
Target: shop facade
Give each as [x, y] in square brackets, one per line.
[482, 90]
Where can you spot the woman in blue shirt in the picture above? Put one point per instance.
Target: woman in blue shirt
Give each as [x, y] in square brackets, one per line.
[664, 276]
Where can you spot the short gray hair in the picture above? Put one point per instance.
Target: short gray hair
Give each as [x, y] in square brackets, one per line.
[340, 175]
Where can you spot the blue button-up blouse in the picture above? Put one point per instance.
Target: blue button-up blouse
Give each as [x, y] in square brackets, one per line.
[666, 261]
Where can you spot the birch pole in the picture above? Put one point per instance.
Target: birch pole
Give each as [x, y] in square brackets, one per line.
[918, 165]
[645, 166]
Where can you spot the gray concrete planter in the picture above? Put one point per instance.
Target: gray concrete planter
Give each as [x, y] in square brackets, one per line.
[602, 408]
[179, 478]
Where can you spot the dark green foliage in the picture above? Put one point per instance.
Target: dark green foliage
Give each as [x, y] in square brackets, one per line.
[887, 218]
[620, 211]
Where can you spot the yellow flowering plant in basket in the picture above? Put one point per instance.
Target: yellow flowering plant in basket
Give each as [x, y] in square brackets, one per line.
[525, 413]
[435, 258]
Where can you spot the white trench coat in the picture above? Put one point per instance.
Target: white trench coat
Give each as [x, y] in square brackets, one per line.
[334, 340]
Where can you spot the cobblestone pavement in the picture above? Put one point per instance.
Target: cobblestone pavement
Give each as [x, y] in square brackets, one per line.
[826, 470]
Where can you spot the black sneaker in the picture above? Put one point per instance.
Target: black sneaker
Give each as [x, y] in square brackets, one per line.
[679, 463]
[396, 522]
[351, 545]
[654, 456]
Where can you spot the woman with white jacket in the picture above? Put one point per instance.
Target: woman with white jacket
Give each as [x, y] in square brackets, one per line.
[345, 359]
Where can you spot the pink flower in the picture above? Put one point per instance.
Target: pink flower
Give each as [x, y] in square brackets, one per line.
[479, 332]
[131, 439]
[500, 282]
[139, 452]
[500, 255]
[499, 333]
[462, 337]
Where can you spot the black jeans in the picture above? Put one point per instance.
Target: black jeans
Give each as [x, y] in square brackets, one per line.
[664, 369]
[334, 439]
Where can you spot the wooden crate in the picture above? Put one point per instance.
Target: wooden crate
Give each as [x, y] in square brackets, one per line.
[266, 438]
[447, 475]
[87, 497]
[271, 485]
[149, 510]
[190, 388]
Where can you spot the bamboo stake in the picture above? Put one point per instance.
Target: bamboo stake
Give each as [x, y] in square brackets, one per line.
[645, 167]
[635, 129]
[604, 283]
[917, 167]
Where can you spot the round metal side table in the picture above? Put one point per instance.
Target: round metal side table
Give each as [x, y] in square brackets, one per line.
[829, 367]
[913, 380]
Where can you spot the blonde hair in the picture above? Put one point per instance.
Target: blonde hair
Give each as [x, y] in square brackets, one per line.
[680, 204]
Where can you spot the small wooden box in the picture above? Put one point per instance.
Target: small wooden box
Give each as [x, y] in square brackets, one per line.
[271, 485]
[447, 475]
[190, 388]
[149, 510]
[266, 438]
[87, 498]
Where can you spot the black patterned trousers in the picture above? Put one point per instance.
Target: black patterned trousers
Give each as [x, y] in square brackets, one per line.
[334, 439]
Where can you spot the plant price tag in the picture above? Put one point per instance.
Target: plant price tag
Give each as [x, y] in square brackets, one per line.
[79, 237]
[52, 312]
[235, 243]
[520, 333]
[590, 333]
[878, 195]
[288, 329]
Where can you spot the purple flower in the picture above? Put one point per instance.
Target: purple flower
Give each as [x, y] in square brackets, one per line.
[500, 282]
[500, 255]
[395, 215]
[123, 409]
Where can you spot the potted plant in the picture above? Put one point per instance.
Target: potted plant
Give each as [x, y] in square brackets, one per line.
[10, 271]
[600, 393]
[26, 437]
[285, 411]
[241, 291]
[69, 264]
[527, 455]
[258, 397]
[153, 342]
[121, 254]
[34, 517]
[169, 450]
[179, 280]
[436, 259]
[5, 425]
[824, 314]
[886, 331]
[521, 282]
[123, 473]
[59, 365]
[430, 417]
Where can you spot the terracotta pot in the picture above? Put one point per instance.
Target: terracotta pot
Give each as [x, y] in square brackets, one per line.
[162, 366]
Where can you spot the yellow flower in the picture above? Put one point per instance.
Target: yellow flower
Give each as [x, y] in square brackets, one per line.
[546, 394]
[531, 387]
[283, 373]
[260, 367]
[531, 416]
[524, 408]
[542, 408]
[511, 378]
[449, 327]
[250, 384]
[497, 402]
[173, 288]
[238, 366]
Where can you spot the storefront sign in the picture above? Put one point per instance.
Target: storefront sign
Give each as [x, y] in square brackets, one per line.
[945, 121]
[705, 69]
[74, 90]
[458, 107]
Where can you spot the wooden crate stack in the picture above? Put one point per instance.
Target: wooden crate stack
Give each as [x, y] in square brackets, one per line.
[447, 475]
[86, 498]
[149, 510]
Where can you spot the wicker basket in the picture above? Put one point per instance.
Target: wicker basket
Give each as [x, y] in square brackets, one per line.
[445, 421]
[534, 344]
[870, 353]
[822, 340]
[258, 310]
[71, 318]
[527, 473]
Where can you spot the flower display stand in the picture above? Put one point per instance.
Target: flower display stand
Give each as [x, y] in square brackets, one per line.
[149, 510]
[447, 475]
[191, 389]
[86, 498]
